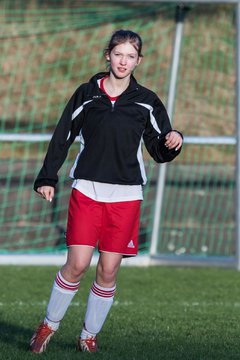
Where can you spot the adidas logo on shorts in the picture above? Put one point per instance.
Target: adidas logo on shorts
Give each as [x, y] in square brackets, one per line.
[131, 244]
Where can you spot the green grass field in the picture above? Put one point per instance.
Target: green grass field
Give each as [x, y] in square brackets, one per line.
[159, 313]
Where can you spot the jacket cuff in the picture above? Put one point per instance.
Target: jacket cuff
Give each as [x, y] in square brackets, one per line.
[43, 182]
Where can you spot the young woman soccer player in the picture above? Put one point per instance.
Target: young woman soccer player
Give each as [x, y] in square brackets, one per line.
[113, 115]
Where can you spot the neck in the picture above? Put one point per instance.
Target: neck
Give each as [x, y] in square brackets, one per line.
[115, 86]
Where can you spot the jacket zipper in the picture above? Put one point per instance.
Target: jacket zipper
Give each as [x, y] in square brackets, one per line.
[124, 93]
[114, 103]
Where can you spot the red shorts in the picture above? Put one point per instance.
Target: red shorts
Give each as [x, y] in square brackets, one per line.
[112, 226]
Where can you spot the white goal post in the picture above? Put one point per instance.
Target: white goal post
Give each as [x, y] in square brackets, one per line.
[152, 257]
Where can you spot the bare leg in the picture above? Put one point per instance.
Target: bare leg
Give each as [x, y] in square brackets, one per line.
[101, 295]
[67, 282]
[78, 261]
[107, 269]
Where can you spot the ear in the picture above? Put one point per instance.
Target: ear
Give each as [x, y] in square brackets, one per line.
[139, 60]
[107, 57]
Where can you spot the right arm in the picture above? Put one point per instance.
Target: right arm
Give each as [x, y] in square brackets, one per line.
[65, 133]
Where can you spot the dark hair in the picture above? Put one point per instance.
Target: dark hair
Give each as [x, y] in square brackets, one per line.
[122, 36]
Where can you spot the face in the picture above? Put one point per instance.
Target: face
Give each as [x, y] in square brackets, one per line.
[123, 60]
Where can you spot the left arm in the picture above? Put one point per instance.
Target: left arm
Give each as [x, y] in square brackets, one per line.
[162, 142]
[174, 140]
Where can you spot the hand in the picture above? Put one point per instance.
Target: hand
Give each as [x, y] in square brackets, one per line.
[46, 192]
[173, 140]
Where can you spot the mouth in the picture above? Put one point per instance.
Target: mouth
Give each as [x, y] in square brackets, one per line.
[121, 69]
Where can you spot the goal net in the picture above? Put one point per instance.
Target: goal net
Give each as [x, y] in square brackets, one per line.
[50, 47]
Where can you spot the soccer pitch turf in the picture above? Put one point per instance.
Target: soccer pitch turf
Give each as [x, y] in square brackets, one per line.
[159, 313]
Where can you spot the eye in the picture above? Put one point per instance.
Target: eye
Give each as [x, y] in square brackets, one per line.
[131, 56]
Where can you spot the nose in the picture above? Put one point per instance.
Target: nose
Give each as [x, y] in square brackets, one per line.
[123, 60]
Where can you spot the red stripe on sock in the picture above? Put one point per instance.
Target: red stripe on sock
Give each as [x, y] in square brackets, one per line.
[103, 293]
[65, 286]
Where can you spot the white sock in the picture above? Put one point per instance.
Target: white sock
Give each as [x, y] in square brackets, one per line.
[100, 301]
[62, 294]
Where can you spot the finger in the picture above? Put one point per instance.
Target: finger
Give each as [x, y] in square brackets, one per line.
[174, 144]
[40, 193]
[171, 143]
[178, 145]
[173, 139]
[48, 196]
[43, 194]
[168, 142]
[46, 192]
[170, 137]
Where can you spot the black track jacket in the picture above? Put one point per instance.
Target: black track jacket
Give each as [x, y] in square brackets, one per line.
[111, 135]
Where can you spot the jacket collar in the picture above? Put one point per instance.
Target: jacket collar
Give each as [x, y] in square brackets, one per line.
[133, 85]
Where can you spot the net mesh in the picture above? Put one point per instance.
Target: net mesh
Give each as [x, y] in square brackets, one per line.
[49, 47]
[199, 211]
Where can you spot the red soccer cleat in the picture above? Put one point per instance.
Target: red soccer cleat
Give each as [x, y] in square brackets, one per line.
[41, 338]
[88, 345]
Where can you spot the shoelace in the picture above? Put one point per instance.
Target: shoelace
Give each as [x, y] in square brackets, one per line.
[91, 342]
[43, 331]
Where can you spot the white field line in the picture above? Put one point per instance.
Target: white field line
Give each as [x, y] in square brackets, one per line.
[60, 259]
[194, 304]
[19, 304]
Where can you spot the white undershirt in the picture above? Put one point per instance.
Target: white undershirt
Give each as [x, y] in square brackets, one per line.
[108, 192]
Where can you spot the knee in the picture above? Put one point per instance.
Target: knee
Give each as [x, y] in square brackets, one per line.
[79, 269]
[107, 273]
[74, 272]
